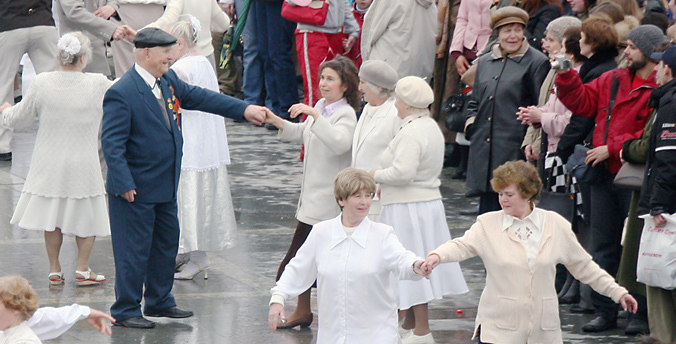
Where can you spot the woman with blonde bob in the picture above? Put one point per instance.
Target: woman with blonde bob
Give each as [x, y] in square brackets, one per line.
[18, 302]
[352, 260]
[520, 246]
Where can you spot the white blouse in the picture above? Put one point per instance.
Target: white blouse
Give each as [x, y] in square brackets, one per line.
[354, 276]
[529, 230]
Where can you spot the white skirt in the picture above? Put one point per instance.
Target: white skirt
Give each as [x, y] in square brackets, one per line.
[421, 228]
[206, 215]
[83, 217]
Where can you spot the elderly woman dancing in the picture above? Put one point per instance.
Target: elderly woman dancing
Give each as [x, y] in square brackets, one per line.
[411, 200]
[352, 259]
[379, 121]
[64, 193]
[520, 246]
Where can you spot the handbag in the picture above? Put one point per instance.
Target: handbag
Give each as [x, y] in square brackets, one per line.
[563, 202]
[455, 108]
[630, 176]
[313, 14]
[656, 265]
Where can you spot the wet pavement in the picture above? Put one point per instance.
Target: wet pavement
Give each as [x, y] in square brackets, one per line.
[231, 306]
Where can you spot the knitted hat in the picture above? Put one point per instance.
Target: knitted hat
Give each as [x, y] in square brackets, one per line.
[508, 15]
[646, 38]
[559, 26]
[415, 92]
[379, 73]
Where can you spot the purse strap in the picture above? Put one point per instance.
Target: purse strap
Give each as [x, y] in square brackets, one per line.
[611, 103]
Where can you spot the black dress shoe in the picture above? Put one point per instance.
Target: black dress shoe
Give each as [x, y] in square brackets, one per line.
[6, 156]
[637, 326]
[173, 312]
[135, 322]
[576, 308]
[599, 324]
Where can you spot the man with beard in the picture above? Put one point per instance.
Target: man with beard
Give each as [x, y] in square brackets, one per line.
[618, 119]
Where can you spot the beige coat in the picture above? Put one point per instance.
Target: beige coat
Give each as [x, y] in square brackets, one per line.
[328, 143]
[77, 15]
[403, 34]
[519, 303]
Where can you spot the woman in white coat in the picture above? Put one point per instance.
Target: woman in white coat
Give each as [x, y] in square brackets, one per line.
[409, 182]
[379, 121]
[327, 135]
[352, 260]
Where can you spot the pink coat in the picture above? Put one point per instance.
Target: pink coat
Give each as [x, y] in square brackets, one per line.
[473, 25]
[555, 118]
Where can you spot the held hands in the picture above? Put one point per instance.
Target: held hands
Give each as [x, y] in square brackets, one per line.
[276, 312]
[124, 32]
[297, 109]
[597, 155]
[629, 303]
[417, 268]
[255, 114]
[97, 320]
[430, 263]
[529, 115]
[129, 195]
[105, 12]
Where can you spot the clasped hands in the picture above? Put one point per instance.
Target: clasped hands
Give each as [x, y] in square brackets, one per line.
[124, 32]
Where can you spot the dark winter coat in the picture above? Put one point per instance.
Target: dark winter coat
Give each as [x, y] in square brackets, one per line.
[501, 85]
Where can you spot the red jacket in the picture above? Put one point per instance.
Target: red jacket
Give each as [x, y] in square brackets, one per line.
[628, 116]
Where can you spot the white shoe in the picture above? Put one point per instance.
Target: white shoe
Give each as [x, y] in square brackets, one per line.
[413, 339]
[404, 332]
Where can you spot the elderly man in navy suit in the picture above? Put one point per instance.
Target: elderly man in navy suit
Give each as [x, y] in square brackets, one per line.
[142, 144]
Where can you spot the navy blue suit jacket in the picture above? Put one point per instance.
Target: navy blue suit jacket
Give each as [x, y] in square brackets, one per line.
[141, 151]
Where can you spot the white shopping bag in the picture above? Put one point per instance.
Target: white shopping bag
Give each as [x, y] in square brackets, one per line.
[656, 265]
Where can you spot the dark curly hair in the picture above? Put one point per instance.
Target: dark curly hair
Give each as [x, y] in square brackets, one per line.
[349, 77]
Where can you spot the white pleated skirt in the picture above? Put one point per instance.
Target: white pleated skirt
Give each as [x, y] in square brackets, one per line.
[205, 212]
[83, 217]
[421, 228]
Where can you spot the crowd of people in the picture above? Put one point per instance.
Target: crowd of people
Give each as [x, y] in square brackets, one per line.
[563, 94]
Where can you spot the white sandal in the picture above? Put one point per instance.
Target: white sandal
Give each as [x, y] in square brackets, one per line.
[58, 281]
[87, 280]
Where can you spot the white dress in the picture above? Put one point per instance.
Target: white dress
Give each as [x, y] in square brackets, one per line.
[205, 212]
[64, 187]
[355, 294]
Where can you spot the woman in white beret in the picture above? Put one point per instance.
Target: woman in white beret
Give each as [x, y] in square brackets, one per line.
[411, 203]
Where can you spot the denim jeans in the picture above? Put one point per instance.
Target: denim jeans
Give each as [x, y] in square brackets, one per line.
[252, 64]
[609, 207]
[272, 61]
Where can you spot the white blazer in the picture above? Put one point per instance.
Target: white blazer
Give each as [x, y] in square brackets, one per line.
[371, 140]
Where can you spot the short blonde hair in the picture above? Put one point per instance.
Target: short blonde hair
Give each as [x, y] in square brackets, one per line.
[17, 294]
[520, 173]
[350, 181]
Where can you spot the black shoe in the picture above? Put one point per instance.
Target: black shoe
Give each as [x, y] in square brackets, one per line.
[637, 326]
[270, 126]
[576, 308]
[6, 156]
[599, 324]
[173, 312]
[459, 175]
[135, 322]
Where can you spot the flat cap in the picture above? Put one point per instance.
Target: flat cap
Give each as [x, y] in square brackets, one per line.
[508, 15]
[379, 73]
[153, 37]
[415, 92]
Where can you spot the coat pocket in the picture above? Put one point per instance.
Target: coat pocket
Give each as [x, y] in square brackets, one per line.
[550, 314]
[506, 314]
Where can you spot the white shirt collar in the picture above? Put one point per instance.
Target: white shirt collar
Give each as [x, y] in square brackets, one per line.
[149, 79]
[359, 235]
[535, 218]
[328, 110]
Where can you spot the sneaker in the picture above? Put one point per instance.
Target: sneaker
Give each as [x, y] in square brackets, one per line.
[413, 339]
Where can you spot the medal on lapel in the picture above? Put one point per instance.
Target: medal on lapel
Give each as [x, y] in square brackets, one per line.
[175, 105]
